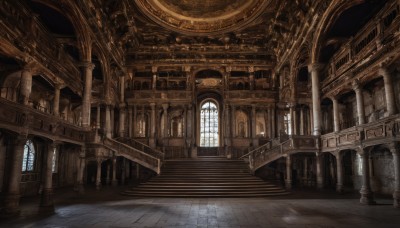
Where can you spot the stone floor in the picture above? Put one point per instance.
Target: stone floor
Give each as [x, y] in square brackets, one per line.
[301, 209]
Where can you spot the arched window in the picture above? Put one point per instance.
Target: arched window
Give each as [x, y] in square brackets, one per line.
[28, 160]
[209, 125]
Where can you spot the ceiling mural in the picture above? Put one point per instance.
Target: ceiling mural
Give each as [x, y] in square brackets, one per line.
[204, 17]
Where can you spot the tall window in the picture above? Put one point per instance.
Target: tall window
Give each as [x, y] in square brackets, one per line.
[28, 160]
[209, 125]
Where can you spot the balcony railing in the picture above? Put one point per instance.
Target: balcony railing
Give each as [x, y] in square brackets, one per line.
[277, 148]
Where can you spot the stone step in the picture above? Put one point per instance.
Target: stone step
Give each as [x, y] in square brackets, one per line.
[205, 177]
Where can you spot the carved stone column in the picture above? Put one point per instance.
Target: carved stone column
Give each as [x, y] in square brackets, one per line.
[301, 132]
[253, 125]
[316, 98]
[367, 196]
[81, 171]
[108, 180]
[130, 116]
[26, 85]
[123, 169]
[360, 102]
[291, 122]
[153, 126]
[47, 193]
[251, 77]
[320, 175]
[108, 121]
[112, 115]
[389, 92]
[98, 116]
[98, 174]
[114, 181]
[394, 148]
[87, 93]
[56, 100]
[165, 116]
[339, 170]
[288, 181]
[233, 124]
[227, 129]
[11, 200]
[336, 125]
[122, 114]
[272, 122]
[134, 121]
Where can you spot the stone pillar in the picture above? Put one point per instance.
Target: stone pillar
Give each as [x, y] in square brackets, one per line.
[154, 81]
[227, 131]
[123, 171]
[122, 115]
[134, 121]
[47, 193]
[165, 117]
[108, 180]
[189, 133]
[130, 116]
[233, 123]
[305, 171]
[98, 116]
[367, 196]
[291, 122]
[339, 170]
[336, 125]
[269, 123]
[251, 77]
[108, 121]
[389, 92]
[112, 115]
[320, 175]
[288, 181]
[253, 125]
[114, 172]
[98, 174]
[56, 100]
[273, 122]
[3, 149]
[11, 200]
[122, 89]
[87, 93]
[360, 102]
[301, 132]
[81, 171]
[316, 99]
[26, 85]
[152, 142]
[396, 164]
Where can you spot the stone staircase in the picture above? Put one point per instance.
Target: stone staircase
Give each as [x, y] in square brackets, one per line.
[205, 177]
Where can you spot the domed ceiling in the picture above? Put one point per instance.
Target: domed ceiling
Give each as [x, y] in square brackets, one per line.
[204, 17]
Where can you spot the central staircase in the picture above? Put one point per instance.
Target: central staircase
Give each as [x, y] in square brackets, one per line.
[205, 177]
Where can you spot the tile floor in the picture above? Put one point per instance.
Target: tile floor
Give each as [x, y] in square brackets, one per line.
[301, 209]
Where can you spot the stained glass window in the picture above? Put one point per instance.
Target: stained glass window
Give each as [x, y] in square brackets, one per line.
[28, 160]
[209, 125]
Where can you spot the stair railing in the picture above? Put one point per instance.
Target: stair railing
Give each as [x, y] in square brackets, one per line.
[140, 155]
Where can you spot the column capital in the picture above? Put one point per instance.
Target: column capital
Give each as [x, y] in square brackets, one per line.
[315, 67]
[154, 69]
[153, 105]
[165, 106]
[384, 71]
[87, 65]
[394, 148]
[356, 85]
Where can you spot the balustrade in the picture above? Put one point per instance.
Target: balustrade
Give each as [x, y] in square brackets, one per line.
[365, 43]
